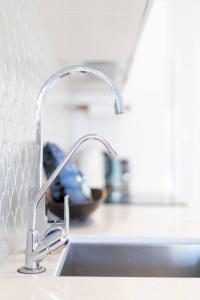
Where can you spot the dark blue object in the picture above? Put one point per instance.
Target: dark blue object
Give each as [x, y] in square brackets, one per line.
[69, 182]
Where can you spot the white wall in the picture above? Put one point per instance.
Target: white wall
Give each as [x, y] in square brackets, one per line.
[185, 91]
[164, 91]
[143, 135]
[148, 93]
[160, 135]
[26, 60]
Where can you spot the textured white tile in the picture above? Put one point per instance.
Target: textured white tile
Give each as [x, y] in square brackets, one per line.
[26, 60]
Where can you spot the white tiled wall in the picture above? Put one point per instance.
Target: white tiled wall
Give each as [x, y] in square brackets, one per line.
[26, 60]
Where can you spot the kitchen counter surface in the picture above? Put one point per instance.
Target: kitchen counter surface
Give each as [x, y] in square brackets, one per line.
[124, 220]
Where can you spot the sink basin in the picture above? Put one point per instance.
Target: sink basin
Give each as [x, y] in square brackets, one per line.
[131, 259]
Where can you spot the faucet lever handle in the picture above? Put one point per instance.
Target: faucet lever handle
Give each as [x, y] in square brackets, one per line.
[66, 213]
[65, 221]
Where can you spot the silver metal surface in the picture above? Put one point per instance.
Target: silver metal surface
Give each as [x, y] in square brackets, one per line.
[118, 104]
[38, 248]
[25, 270]
[71, 152]
[56, 237]
[131, 260]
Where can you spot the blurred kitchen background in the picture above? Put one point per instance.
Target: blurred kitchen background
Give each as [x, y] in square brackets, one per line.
[151, 49]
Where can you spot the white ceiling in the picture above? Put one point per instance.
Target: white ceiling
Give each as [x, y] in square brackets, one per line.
[94, 30]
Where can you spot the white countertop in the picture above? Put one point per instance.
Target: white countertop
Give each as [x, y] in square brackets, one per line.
[135, 221]
[143, 221]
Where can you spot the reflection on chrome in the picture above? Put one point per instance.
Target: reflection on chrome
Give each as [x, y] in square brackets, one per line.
[55, 237]
[38, 248]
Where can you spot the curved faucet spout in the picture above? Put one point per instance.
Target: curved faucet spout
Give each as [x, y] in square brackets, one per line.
[38, 248]
[57, 171]
[118, 105]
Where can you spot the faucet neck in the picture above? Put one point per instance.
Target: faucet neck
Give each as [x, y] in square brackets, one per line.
[57, 171]
[118, 106]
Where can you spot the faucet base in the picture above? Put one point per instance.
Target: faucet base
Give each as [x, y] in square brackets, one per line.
[26, 270]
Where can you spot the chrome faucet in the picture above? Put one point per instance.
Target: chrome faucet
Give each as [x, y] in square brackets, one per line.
[55, 237]
[118, 106]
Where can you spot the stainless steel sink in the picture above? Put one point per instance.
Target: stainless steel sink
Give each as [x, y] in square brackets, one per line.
[131, 259]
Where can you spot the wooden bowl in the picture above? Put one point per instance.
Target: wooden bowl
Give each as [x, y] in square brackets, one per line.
[77, 211]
